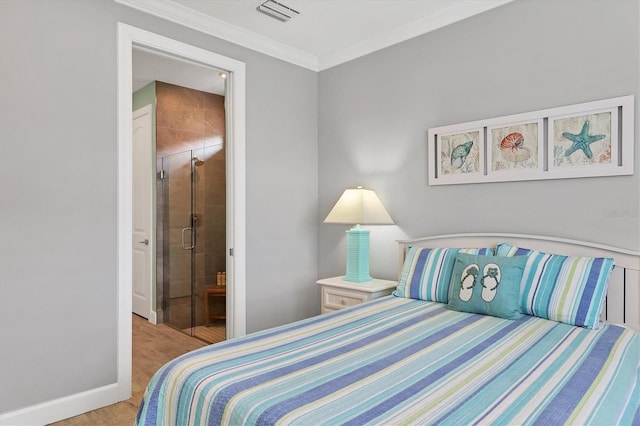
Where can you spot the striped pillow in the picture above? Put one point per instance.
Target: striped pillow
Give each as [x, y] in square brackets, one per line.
[426, 273]
[562, 288]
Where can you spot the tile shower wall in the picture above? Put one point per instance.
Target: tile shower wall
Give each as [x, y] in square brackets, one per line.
[189, 119]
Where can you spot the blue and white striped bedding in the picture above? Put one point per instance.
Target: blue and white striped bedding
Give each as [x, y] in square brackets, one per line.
[403, 361]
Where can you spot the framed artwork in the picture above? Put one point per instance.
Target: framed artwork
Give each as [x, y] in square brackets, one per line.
[584, 140]
[516, 147]
[574, 141]
[460, 155]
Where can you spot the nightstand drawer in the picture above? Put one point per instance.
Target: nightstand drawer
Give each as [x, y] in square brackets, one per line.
[338, 299]
[339, 294]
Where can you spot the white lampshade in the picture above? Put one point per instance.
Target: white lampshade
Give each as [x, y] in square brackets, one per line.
[359, 206]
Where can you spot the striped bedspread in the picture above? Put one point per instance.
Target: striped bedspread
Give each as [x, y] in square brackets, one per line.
[403, 361]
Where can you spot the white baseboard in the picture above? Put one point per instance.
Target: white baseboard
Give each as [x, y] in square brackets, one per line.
[153, 317]
[62, 408]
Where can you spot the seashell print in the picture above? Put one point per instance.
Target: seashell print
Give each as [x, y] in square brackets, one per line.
[516, 155]
[513, 149]
[460, 153]
[512, 140]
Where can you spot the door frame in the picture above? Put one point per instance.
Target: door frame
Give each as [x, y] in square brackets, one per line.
[235, 101]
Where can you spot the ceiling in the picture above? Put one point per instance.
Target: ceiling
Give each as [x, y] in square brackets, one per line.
[151, 66]
[326, 33]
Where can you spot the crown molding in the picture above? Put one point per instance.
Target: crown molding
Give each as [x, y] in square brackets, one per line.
[167, 9]
[190, 18]
[453, 13]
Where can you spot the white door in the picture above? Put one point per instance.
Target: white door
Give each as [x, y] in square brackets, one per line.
[142, 211]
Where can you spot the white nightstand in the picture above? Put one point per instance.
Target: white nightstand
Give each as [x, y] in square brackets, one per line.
[338, 294]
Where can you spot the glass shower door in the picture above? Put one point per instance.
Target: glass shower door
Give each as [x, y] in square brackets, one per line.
[209, 207]
[194, 242]
[179, 240]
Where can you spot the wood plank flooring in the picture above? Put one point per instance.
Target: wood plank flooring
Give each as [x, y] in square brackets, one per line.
[153, 346]
[213, 333]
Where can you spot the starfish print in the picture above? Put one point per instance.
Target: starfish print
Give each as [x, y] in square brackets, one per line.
[582, 141]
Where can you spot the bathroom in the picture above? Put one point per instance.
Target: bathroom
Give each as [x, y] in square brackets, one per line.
[189, 130]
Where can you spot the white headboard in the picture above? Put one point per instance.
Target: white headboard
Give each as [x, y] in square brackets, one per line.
[622, 305]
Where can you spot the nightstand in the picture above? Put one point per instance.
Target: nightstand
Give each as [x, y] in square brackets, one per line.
[338, 294]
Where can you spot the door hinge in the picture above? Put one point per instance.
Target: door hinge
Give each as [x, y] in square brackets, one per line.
[231, 252]
[161, 175]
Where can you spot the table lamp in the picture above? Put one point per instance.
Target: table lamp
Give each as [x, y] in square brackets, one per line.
[357, 207]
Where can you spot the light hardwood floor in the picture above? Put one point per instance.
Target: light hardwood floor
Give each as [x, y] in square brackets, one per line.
[153, 346]
[213, 333]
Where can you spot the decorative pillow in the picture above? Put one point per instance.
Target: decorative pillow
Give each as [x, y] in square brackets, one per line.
[487, 285]
[426, 273]
[562, 288]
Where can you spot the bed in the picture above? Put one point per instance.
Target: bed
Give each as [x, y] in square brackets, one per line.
[417, 358]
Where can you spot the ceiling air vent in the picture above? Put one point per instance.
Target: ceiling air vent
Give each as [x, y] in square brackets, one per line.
[277, 10]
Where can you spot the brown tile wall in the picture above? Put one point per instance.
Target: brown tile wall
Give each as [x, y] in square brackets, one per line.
[187, 119]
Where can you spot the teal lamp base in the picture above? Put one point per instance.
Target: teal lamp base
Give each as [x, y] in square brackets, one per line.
[357, 255]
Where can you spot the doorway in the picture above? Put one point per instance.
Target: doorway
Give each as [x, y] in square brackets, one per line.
[128, 38]
[185, 164]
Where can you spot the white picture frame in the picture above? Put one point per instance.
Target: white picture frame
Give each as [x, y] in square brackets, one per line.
[545, 125]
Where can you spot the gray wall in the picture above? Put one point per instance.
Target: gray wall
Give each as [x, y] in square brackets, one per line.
[58, 174]
[374, 113]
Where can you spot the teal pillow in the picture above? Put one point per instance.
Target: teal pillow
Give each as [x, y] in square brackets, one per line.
[487, 285]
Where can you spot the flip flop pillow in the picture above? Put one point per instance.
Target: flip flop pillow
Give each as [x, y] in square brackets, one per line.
[488, 285]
